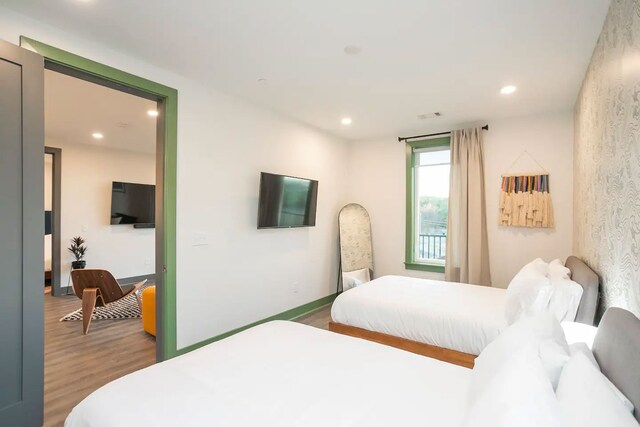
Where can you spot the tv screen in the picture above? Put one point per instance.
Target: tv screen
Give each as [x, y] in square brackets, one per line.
[133, 203]
[286, 201]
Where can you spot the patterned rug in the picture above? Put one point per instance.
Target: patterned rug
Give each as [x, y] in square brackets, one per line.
[126, 308]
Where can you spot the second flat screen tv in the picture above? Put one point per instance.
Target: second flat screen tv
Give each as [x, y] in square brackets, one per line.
[286, 201]
[133, 204]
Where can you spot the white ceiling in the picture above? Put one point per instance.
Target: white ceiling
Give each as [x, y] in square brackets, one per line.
[419, 56]
[74, 109]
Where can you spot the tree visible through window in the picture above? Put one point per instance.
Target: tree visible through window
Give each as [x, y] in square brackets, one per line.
[432, 202]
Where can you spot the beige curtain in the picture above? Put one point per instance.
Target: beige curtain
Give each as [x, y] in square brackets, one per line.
[467, 243]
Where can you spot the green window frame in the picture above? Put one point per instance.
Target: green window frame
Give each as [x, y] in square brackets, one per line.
[410, 262]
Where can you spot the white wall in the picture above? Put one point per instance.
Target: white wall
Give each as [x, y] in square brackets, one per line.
[549, 139]
[378, 183]
[243, 274]
[87, 174]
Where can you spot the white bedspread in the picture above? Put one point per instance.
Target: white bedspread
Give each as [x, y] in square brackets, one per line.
[283, 374]
[456, 316]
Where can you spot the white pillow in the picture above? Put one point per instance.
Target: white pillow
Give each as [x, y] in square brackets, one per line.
[537, 266]
[558, 270]
[565, 298]
[566, 294]
[580, 347]
[543, 332]
[579, 332]
[585, 398]
[520, 394]
[529, 291]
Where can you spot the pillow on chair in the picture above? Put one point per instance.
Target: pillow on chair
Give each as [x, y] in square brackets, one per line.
[351, 279]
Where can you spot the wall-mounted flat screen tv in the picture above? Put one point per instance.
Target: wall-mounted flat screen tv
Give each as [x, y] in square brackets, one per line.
[133, 204]
[286, 201]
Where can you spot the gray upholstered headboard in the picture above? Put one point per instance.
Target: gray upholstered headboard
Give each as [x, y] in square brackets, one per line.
[617, 350]
[590, 282]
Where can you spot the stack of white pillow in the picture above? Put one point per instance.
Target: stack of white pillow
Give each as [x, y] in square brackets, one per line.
[541, 287]
[531, 376]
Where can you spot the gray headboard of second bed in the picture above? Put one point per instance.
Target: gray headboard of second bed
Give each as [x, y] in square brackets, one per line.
[616, 347]
[581, 273]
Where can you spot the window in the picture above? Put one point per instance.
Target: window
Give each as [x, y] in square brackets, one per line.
[428, 166]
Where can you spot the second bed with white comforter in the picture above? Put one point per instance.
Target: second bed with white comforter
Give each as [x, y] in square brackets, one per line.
[456, 316]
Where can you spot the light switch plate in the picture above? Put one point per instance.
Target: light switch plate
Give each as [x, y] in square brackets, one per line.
[200, 239]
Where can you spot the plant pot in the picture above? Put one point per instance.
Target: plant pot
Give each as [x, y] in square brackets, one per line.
[78, 265]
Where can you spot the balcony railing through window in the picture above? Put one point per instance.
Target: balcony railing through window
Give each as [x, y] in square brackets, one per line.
[432, 246]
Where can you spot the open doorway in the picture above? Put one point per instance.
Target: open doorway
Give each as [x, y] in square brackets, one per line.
[52, 183]
[106, 191]
[23, 221]
[48, 214]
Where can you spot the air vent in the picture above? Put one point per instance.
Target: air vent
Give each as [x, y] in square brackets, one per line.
[429, 115]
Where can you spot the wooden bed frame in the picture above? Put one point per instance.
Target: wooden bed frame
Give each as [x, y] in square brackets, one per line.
[440, 353]
[580, 273]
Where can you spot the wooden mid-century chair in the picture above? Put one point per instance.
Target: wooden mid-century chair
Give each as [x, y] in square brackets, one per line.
[97, 288]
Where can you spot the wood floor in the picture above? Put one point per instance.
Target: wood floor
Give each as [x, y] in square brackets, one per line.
[76, 364]
[319, 318]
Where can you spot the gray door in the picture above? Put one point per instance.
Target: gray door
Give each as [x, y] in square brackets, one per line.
[21, 236]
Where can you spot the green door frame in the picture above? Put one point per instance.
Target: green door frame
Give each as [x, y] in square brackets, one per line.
[167, 99]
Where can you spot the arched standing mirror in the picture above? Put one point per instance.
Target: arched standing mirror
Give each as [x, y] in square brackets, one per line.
[356, 252]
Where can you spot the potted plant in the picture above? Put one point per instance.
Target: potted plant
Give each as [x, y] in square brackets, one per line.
[78, 249]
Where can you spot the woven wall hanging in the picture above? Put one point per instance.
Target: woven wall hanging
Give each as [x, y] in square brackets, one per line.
[525, 200]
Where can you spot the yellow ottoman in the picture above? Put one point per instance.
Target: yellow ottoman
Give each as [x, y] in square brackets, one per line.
[149, 309]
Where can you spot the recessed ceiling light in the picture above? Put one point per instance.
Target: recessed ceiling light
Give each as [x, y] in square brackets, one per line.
[152, 113]
[97, 135]
[352, 50]
[346, 121]
[508, 90]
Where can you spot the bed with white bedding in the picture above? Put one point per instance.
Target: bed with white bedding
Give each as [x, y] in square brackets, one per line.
[287, 374]
[283, 374]
[444, 314]
[449, 321]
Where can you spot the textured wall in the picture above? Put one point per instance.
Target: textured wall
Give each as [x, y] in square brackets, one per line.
[607, 159]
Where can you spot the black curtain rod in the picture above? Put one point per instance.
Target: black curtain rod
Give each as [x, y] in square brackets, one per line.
[405, 138]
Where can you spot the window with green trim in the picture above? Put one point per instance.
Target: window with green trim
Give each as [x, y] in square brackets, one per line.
[428, 167]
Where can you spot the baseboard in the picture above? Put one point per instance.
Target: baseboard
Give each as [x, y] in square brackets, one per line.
[285, 315]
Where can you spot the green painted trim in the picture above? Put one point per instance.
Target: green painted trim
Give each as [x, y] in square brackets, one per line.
[169, 98]
[169, 317]
[85, 65]
[409, 238]
[444, 141]
[285, 315]
[409, 256]
[424, 267]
